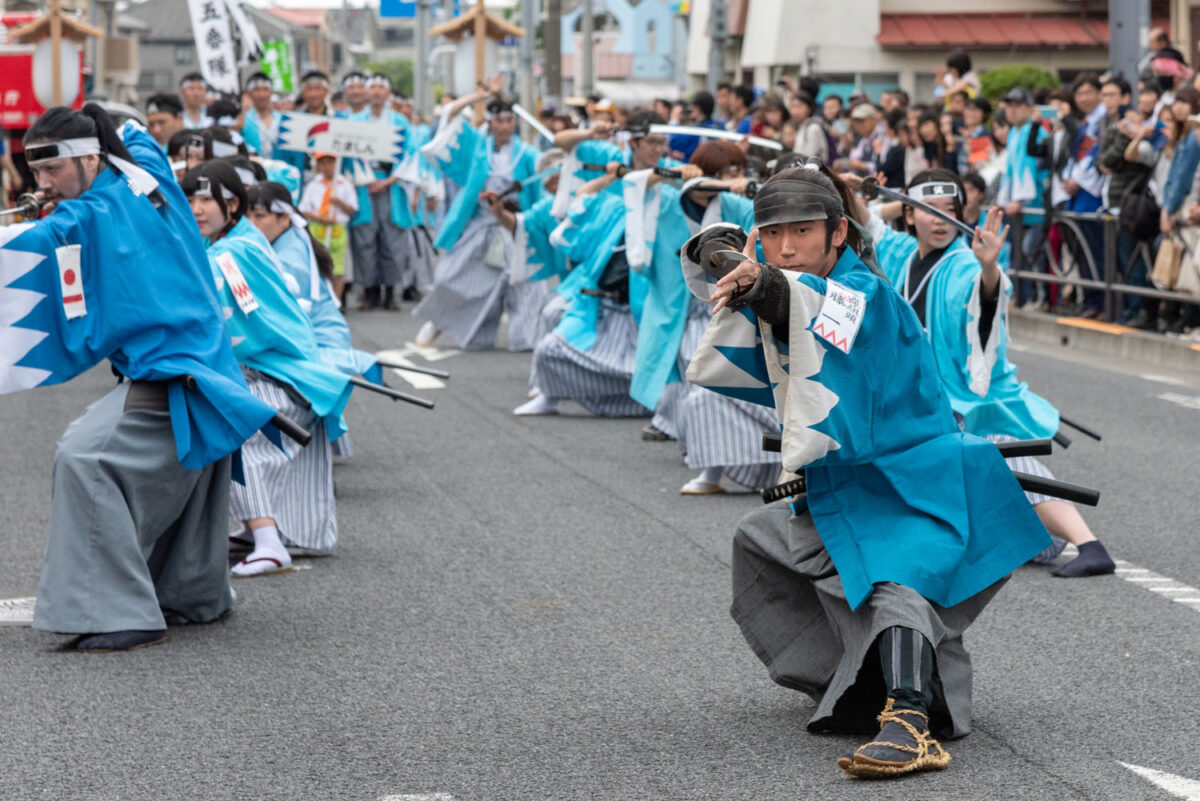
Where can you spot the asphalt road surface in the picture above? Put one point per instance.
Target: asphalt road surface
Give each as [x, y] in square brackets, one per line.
[527, 609]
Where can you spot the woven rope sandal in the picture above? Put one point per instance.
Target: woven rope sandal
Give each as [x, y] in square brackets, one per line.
[903, 732]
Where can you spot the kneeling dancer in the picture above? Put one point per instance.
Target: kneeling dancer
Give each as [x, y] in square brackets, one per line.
[115, 271]
[858, 592]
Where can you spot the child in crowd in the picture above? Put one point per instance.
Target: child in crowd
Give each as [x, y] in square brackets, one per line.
[329, 201]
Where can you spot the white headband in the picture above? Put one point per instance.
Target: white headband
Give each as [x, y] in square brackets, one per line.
[204, 188]
[221, 150]
[140, 181]
[379, 80]
[226, 121]
[279, 207]
[254, 83]
[246, 175]
[934, 189]
[63, 149]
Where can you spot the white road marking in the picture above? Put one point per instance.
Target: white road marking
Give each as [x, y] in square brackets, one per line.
[429, 354]
[419, 797]
[1177, 786]
[16, 611]
[1163, 379]
[1186, 401]
[418, 380]
[1167, 587]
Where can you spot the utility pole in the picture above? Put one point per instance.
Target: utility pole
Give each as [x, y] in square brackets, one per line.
[718, 31]
[422, 69]
[553, 39]
[448, 58]
[583, 74]
[1128, 23]
[527, 82]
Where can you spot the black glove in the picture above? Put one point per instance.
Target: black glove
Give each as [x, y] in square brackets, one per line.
[716, 237]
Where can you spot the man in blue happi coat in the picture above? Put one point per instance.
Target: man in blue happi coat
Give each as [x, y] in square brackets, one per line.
[859, 591]
[117, 271]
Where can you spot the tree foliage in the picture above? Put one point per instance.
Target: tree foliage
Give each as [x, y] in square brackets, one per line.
[398, 70]
[997, 81]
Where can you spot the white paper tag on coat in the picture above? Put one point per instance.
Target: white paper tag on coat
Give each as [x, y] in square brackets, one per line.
[237, 283]
[70, 278]
[840, 316]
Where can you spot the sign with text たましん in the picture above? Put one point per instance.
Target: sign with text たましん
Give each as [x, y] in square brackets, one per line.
[369, 141]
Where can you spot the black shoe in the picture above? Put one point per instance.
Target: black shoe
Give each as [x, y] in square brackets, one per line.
[370, 299]
[411, 293]
[1177, 325]
[119, 641]
[652, 433]
[389, 299]
[1144, 321]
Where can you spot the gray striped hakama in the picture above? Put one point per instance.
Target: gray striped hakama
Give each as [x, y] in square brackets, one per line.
[788, 602]
[599, 378]
[714, 430]
[137, 541]
[549, 316]
[725, 432]
[469, 296]
[1033, 466]
[292, 486]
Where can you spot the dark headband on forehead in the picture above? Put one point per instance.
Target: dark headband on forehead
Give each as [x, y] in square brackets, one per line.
[787, 201]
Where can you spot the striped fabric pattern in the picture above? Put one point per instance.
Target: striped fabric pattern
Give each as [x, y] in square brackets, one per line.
[1028, 464]
[597, 379]
[724, 432]
[292, 485]
[469, 297]
[549, 316]
[719, 431]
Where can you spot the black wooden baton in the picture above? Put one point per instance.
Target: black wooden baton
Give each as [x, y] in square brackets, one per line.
[394, 394]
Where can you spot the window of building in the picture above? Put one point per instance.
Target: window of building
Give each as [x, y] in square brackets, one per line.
[185, 55]
[398, 37]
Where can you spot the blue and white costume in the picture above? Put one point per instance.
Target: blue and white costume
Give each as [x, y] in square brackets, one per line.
[379, 231]
[146, 469]
[471, 286]
[277, 347]
[907, 522]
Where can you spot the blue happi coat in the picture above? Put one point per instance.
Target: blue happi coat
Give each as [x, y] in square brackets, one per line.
[979, 379]
[277, 338]
[401, 214]
[148, 305]
[595, 152]
[463, 154]
[535, 258]
[896, 491]
[258, 135]
[312, 292]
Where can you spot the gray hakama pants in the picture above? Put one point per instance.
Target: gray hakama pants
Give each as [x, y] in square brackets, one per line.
[598, 379]
[417, 270]
[292, 485]
[549, 316]
[788, 602]
[469, 295]
[136, 540]
[380, 247]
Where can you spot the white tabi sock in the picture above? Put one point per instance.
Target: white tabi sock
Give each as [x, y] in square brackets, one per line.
[539, 404]
[268, 548]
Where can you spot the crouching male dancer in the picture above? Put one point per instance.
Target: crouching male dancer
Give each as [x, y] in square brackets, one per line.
[857, 592]
[140, 504]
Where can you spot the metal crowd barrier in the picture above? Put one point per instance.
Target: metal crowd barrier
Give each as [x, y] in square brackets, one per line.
[1110, 273]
